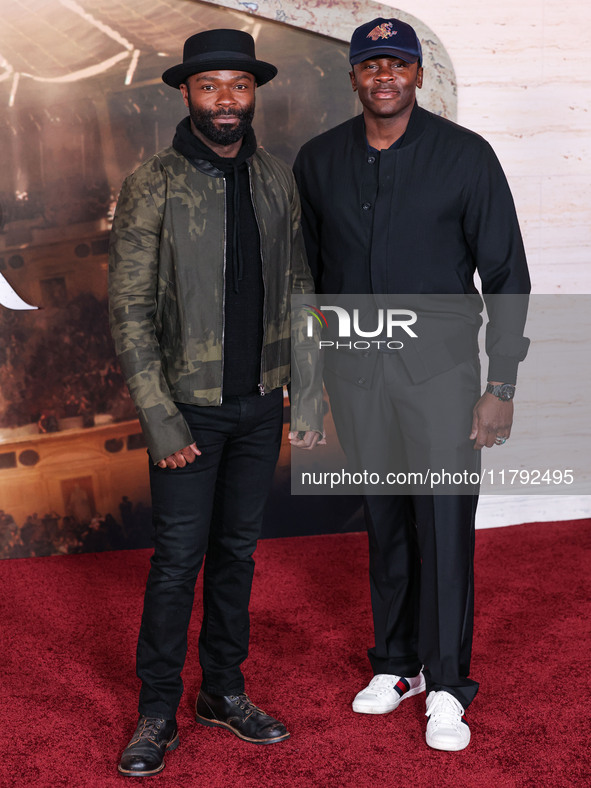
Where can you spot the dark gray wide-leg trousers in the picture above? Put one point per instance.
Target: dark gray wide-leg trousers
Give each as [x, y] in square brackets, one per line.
[421, 546]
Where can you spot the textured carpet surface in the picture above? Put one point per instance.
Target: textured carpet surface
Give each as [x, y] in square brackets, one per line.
[69, 691]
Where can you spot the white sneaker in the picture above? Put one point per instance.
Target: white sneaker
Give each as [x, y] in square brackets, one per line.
[385, 691]
[447, 728]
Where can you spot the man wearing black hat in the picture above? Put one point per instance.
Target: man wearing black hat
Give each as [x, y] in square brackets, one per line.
[400, 201]
[206, 248]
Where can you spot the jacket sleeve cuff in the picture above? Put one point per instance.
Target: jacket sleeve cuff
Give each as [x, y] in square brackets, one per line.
[165, 432]
[310, 422]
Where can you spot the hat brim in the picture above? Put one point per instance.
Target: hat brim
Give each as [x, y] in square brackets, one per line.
[384, 52]
[219, 61]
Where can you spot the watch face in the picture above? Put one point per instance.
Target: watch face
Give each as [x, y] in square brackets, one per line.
[506, 392]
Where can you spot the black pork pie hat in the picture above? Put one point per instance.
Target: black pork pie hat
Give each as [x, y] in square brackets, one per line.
[214, 50]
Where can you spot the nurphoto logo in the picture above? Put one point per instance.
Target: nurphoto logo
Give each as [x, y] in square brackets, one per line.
[388, 320]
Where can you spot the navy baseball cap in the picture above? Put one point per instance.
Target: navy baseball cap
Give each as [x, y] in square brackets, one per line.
[387, 37]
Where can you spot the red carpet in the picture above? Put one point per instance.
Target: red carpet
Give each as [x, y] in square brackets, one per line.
[69, 693]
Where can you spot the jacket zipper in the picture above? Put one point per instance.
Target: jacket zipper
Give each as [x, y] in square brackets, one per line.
[224, 288]
[262, 391]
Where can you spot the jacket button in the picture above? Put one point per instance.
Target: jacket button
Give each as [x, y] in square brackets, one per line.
[371, 159]
[360, 381]
[366, 206]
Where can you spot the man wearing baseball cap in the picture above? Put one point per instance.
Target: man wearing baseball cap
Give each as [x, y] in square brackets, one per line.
[400, 201]
[205, 251]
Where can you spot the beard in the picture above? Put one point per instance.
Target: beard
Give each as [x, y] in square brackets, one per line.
[222, 135]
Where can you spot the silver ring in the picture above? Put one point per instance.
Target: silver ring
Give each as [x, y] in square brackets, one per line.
[499, 441]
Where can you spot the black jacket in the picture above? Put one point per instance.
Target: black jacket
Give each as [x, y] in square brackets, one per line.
[417, 219]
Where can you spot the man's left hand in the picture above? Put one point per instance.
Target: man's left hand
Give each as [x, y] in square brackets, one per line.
[308, 440]
[492, 418]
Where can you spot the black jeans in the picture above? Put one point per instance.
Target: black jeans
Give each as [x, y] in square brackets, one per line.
[213, 506]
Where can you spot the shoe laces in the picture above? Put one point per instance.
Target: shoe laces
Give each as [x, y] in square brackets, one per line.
[245, 703]
[445, 710]
[151, 728]
[383, 683]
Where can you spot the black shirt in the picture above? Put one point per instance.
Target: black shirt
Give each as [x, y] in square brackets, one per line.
[418, 218]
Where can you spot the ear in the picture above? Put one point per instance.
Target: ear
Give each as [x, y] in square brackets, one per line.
[353, 80]
[184, 93]
[420, 77]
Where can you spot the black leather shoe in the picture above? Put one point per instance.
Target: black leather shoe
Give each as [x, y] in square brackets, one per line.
[144, 755]
[241, 716]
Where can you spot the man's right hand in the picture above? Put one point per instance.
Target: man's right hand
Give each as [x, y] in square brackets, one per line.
[180, 458]
[307, 440]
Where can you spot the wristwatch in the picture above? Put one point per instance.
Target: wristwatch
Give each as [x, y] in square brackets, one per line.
[504, 391]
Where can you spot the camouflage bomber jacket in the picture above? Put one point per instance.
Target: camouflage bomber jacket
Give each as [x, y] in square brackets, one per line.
[166, 291]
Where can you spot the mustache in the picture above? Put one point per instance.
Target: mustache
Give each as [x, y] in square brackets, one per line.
[220, 113]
